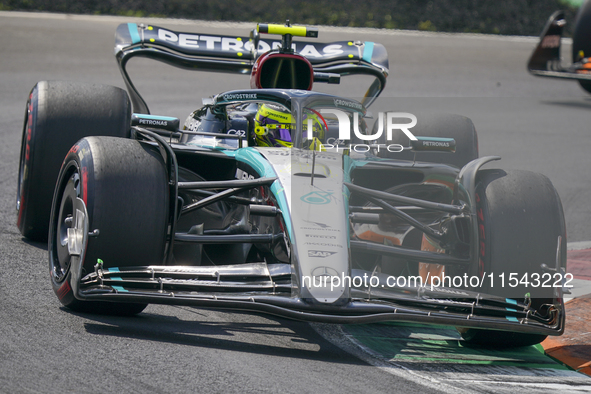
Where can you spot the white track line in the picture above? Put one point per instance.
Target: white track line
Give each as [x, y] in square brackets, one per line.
[578, 245]
[464, 378]
[334, 334]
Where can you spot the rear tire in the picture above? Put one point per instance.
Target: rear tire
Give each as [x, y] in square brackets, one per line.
[124, 186]
[458, 127]
[582, 38]
[520, 219]
[59, 114]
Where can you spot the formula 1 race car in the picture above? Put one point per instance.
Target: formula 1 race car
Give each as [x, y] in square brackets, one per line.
[283, 200]
[546, 61]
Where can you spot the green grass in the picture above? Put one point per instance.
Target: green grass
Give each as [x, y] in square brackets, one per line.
[573, 3]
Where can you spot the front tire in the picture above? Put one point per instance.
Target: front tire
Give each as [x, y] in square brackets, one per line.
[124, 188]
[520, 218]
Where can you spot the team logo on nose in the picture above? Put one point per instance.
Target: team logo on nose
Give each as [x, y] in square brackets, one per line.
[318, 198]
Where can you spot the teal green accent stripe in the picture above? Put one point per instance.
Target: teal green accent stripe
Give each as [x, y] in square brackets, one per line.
[116, 278]
[155, 117]
[113, 269]
[434, 139]
[282, 201]
[511, 318]
[367, 51]
[253, 158]
[135, 36]
[119, 288]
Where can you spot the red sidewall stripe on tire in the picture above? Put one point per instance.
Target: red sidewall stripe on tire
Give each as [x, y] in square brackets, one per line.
[63, 290]
[22, 206]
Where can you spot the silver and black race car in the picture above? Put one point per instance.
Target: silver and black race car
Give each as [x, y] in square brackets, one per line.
[546, 60]
[282, 200]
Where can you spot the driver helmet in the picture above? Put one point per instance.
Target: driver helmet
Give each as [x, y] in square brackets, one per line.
[273, 125]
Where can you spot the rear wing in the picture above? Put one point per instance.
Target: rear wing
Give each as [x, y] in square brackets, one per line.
[232, 54]
[545, 61]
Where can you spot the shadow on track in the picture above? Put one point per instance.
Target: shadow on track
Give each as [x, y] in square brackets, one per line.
[38, 245]
[249, 333]
[584, 103]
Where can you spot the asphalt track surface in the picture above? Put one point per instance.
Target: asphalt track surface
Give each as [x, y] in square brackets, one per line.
[536, 124]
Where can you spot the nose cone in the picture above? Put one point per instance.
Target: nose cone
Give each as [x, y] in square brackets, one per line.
[320, 224]
[318, 214]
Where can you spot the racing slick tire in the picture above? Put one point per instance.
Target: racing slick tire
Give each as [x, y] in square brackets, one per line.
[58, 114]
[124, 187]
[458, 127]
[521, 223]
[582, 38]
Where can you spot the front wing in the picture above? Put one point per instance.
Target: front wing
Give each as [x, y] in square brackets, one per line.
[267, 288]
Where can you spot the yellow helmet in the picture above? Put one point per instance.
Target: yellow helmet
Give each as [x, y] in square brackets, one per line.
[273, 125]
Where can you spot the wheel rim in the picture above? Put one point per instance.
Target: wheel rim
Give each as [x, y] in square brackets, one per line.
[65, 226]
